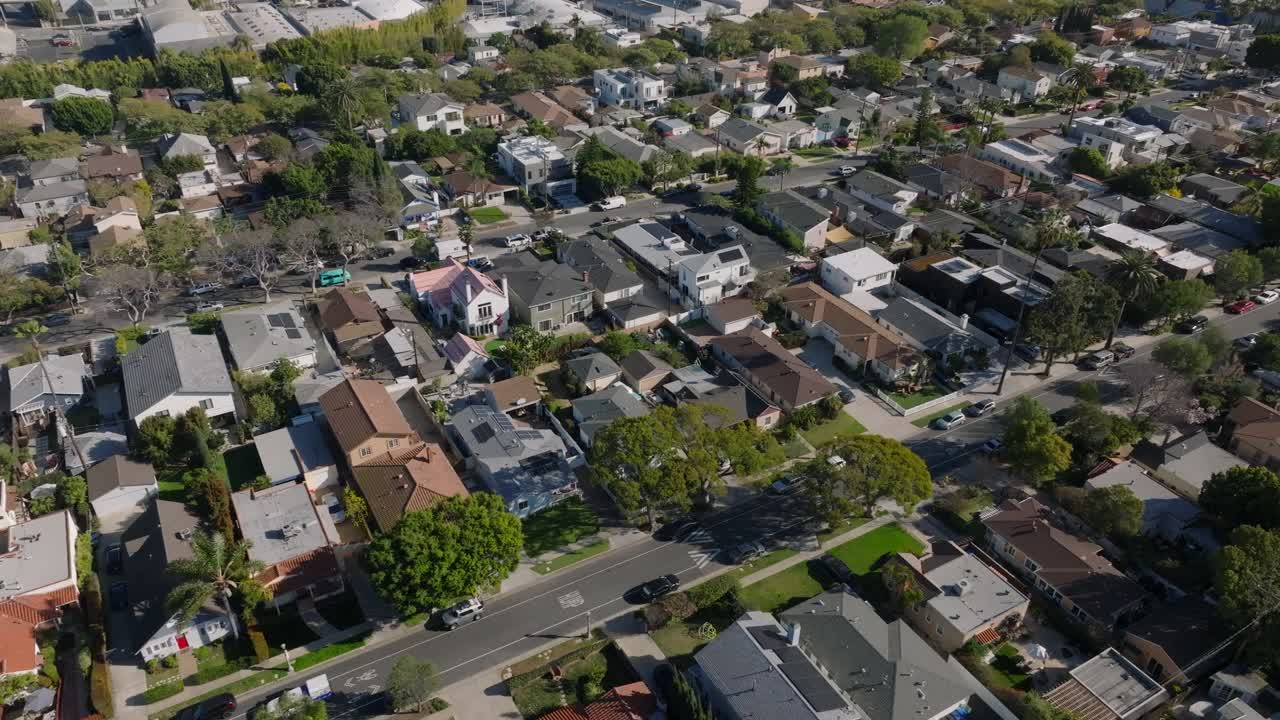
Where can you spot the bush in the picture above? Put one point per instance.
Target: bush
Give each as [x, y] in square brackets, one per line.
[100, 689]
[706, 594]
[678, 605]
[794, 339]
[261, 651]
[170, 661]
[656, 616]
[158, 693]
[153, 665]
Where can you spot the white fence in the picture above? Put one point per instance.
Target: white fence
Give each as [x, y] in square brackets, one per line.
[949, 398]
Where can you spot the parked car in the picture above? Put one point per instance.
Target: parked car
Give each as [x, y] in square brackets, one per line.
[1097, 360]
[847, 170]
[676, 529]
[952, 419]
[1266, 297]
[980, 408]
[217, 707]
[847, 395]
[119, 595]
[115, 559]
[61, 40]
[336, 276]
[1122, 351]
[467, 611]
[480, 263]
[611, 203]
[1247, 342]
[835, 568]
[305, 268]
[383, 251]
[517, 241]
[746, 552]
[658, 587]
[1030, 353]
[413, 262]
[203, 288]
[1241, 307]
[57, 319]
[991, 446]
[1192, 325]
[207, 307]
[786, 484]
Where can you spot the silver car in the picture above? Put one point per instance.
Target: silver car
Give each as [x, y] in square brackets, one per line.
[467, 611]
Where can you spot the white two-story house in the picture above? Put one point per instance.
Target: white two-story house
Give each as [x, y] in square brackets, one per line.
[1026, 83]
[861, 269]
[714, 276]
[537, 165]
[431, 111]
[175, 372]
[624, 87]
[459, 296]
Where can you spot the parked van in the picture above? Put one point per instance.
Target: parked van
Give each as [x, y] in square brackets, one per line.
[1098, 360]
[336, 276]
[612, 203]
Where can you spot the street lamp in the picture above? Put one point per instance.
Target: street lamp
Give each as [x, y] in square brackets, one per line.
[288, 660]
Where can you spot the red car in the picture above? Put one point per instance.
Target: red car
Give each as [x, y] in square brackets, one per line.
[843, 142]
[62, 41]
[1241, 306]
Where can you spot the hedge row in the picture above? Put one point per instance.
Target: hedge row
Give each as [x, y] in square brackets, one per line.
[209, 673]
[156, 693]
[519, 681]
[100, 689]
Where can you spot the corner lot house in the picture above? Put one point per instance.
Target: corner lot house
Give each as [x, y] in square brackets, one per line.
[259, 336]
[855, 337]
[174, 372]
[32, 398]
[293, 538]
[38, 572]
[120, 487]
[458, 296]
[1067, 569]
[394, 485]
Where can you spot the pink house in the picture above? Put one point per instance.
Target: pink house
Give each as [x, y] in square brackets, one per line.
[460, 296]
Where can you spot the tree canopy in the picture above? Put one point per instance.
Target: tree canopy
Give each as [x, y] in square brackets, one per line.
[1244, 495]
[83, 115]
[1113, 511]
[874, 468]
[1032, 447]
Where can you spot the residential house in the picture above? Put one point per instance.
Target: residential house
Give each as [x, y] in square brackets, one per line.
[709, 278]
[482, 53]
[1185, 464]
[1069, 570]
[861, 269]
[730, 315]
[535, 105]
[486, 115]
[619, 142]
[781, 377]
[544, 294]
[538, 166]
[431, 111]
[120, 167]
[712, 117]
[964, 599]
[748, 138]
[628, 88]
[575, 99]
[38, 574]
[260, 336]
[527, 465]
[1237, 682]
[1164, 513]
[298, 452]
[366, 422]
[781, 104]
[1108, 687]
[1219, 191]
[1171, 642]
[421, 203]
[455, 295]
[396, 484]
[602, 268]
[119, 489]
[633, 701]
[939, 185]
[53, 171]
[351, 319]
[799, 67]
[1136, 141]
[854, 335]
[157, 537]
[817, 663]
[591, 371]
[995, 180]
[292, 538]
[728, 398]
[50, 200]
[16, 232]
[643, 371]
[467, 190]
[18, 113]
[33, 395]
[1026, 83]
[467, 358]
[796, 213]
[1252, 432]
[174, 372]
[850, 215]
[517, 395]
[881, 191]
[592, 413]
[174, 145]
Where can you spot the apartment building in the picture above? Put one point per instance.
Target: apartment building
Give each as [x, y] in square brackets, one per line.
[627, 88]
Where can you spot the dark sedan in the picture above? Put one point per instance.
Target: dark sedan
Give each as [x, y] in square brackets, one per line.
[658, 587]
[215, 708]
[835, 569]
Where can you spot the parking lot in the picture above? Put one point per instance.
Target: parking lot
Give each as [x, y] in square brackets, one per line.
[37, 42]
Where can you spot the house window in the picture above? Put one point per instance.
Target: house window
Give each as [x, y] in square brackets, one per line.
[522, 504]
[163, 413]
[1028, 564]
[1008, 549]
[543, 307]
[393, 443]
[207, 404]
[485, 311]
[544, 325]
[703, 278]
[366, 452]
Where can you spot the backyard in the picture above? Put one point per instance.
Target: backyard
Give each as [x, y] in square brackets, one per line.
[1008, 668]
[243, 466]
[841, 425]
[486, 215]
[559, 525]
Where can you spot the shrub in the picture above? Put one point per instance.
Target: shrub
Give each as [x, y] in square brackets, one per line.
[170, 661]
[100, 689]
[794, 339]
[209, 673]
[678, 605]
[706, 594]
[656, 616]
[153, 665]
[158, 693]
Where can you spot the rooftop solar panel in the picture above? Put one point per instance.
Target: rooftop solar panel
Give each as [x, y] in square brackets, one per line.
[293, 334]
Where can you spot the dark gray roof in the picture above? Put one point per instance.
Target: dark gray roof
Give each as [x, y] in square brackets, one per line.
[639, 307]
[174, 361]
[27, 383]
[877, 184]
[537, 282]
[934, 180]
[289, 452]
[1220, 188]
[741, 130]
[260, 335]
[612, 403]
[1201, 240]
[794, 209]
[53, 167]
[1201, 213]
[714, 223]
[642, 363]
[412, 106]
[606, 269]
[592, 366]
[992, 252]
[52, 191]
[944, 220]
[912, 321]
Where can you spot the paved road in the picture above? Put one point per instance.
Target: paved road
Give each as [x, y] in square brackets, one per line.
[558, 607]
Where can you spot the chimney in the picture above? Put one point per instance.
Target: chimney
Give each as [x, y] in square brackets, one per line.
[468, 290]
[504, 286]
[964, 321]
[586, 276]
[793, 634]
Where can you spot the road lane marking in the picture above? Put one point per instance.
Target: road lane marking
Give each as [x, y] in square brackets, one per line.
[571, 600]
[700, 558]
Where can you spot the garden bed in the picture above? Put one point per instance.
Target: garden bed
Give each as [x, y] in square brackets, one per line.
[581, 681]
[1006, 669]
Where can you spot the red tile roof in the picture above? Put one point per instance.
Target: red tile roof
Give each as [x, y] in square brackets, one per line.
[625, 702]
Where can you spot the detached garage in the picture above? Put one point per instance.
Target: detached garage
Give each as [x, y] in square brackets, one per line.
[119, 488]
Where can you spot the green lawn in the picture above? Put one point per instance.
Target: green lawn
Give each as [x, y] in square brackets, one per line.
[908, 401]
[558, 526]
[782, 590]
[862, 552]
[487, 215]
[169, 483]
[1005, 667]
[795, 448]
[841, 529]
[842, 424]
[494, 344]
[926, 419]
[815, 152]
[243, 465]
[568, 559]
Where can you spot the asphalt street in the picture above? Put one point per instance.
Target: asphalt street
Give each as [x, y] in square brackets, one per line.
[558, 608]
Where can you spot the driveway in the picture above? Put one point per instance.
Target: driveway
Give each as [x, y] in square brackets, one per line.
[873, 414]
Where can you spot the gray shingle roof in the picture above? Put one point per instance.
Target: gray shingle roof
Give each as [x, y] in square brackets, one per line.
[413, 106]
[259, 336]
[592, 366]
[606, 270]
[175, 361]
[52, 191]
[741, 130]
[615, 402]
[27, 383]
[289, 452]
[54, 167]
[794, 209]
[539, 282]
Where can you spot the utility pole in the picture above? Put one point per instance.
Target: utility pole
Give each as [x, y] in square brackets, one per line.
[588, 625]
[1017, 328]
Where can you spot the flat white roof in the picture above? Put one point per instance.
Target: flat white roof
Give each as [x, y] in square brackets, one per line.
[1187, 260]
[972, 594]
[1132, 238]
[861, 263]
[1021, 150]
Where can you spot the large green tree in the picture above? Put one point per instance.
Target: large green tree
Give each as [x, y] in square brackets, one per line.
[1114, 511]
[1264, 53]
[411, 683]
[901, 37]
[748, 191]
[1032, 447]
[434, 556]
[1051, 48]
[874, 468]
[1088, 161]
[872, 69]
[1177, 299]
[1244, 495]
[1095, 433]
[216, 570]
[1185, 356]
[1248, 576]
[1135, 277]
[1236, 272]
[1265, 352]
[639, 460]
[83, 115]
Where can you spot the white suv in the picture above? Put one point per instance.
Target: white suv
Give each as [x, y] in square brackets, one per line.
[467, 611]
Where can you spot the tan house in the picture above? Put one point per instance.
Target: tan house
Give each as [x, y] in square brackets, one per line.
[964, 598]
[536, 105]
[1066, 569]
[855, 336]
[14, 112]
[484, 115]
[642, 371]
[1252, 431]
[366, 422]
[352, 319]
[803, 67]
[397, 483]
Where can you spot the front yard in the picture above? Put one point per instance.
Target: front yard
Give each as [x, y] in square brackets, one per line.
[907, 401]
[579, 675]
[841, 425]
[559, 525]
[487, 215]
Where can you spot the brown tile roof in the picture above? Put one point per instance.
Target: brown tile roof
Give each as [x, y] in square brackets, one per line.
[117, 471]
[18, 652]
[1256, 423]
[855, 330]
[508, 393]
[360, 409]
[482, 110]
[732, 309]
[112, 236]
[786, 376]
[462, 182]
[12, 109]
[113, 165]
[343, 306]
[398, 483]
[310, 568]
[633, 701]
[1072, 565]
[537, 105]
[987, 175]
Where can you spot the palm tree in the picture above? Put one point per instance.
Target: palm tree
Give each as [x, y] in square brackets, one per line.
[782, 167]
[1135, 275]
[345, 98]
[1079, 79]
[215, 569]
[467, 234]
[32, 330]
[761, 144]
